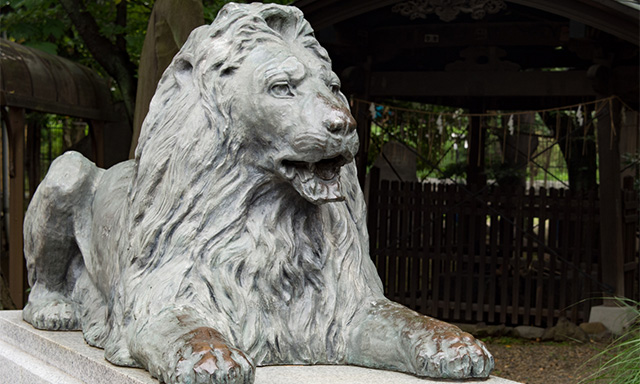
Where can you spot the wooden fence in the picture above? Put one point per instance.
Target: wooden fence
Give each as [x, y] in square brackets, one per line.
[487, 255]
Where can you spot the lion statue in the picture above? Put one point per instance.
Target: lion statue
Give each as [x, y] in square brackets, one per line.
[236, 238]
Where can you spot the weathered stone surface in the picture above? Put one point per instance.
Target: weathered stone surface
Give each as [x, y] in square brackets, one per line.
[593, 328]
[597, 331]
[30, 356]
[237, 236]
[565, 330]
[528, 332]
[483, 330]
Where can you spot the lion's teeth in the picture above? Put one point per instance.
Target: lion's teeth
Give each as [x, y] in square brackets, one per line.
[289, 172]
[306, 174]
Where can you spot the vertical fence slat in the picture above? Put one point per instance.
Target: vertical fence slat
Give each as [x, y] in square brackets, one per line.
[404, 212]
[415, 212]
[495, 223]
[438, 192]
[461, 222]
[373, 219]
[529, 226]
[471, 253]
[423, 196]
[564, 270]
[552, 242]
[383, 234]
[577, 284]
[393, 240]
[482, 254]
[517, 254]
[506, 239]
[545, 214]
[448, 254]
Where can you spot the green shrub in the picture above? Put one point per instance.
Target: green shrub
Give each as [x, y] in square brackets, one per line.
[619, 363]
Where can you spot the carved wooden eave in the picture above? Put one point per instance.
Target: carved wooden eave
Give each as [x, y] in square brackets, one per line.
[611, 16]
[36, 80]
[448, 11]
[490, 84]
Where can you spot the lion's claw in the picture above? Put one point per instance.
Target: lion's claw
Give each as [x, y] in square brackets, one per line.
[207, 359]
[452, 356]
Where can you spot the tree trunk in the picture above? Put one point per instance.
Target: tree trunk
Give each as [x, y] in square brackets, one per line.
[578, 148]
[114, 58]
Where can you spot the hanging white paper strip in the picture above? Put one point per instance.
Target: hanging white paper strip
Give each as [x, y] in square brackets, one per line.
[372, 111]
[510, 125]
[580, 116]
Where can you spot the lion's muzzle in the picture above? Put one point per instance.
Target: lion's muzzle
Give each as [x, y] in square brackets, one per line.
[319, 181]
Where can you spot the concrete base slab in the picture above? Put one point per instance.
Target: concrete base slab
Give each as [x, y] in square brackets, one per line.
[31, 356]
[616, 319]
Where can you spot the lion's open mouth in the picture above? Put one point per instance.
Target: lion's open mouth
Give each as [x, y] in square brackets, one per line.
[318, 182]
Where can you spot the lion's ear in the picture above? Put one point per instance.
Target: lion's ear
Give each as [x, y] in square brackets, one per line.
[183, 71]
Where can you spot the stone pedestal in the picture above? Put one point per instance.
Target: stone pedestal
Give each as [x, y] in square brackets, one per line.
[616, 319]
[30, 356]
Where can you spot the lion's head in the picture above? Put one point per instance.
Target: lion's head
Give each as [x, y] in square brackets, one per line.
[267, 94]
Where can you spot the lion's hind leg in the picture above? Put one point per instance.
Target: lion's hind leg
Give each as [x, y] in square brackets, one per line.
[54, 258]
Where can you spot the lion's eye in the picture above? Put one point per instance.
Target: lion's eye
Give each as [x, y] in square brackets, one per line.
[281, 90]
[335, 88]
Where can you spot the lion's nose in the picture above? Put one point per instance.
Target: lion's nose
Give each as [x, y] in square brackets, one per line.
[338, 119]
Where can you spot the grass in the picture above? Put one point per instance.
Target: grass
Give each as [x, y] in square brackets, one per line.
[509, 341]
[619, 363]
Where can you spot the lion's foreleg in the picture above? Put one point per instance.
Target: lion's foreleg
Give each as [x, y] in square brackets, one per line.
[392, 336]
[176, 347]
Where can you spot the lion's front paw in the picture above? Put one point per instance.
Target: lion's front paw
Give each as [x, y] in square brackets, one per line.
[452, 354]
[206, 358]
[57, 313]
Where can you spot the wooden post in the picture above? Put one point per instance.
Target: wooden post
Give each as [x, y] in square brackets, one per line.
[16, 272]
[363, 119]
[97, 141]
[611, 245]
[356, 81]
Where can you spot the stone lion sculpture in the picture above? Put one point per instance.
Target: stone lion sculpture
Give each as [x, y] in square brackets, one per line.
[236, 237]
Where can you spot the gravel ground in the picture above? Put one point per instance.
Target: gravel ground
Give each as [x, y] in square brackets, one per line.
[534, 362]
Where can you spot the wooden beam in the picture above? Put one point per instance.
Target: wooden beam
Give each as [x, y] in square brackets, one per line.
[484, 84]
[16, 271]
[324, 13]
[465, 34]
[47, 106]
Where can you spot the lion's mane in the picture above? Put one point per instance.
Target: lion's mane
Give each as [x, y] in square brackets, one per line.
[191, 198]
